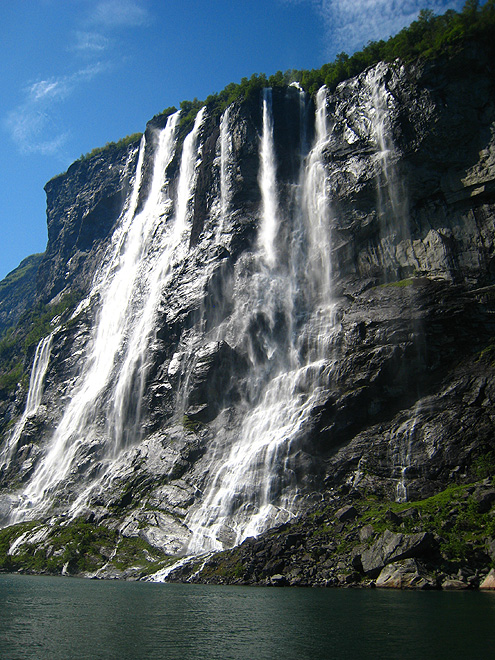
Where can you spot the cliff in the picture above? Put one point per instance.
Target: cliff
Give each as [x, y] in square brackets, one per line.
[280, 304]
[18, 291]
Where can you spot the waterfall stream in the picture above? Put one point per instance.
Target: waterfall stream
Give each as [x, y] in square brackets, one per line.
[125, 286]
[268, 185]
[33, 401]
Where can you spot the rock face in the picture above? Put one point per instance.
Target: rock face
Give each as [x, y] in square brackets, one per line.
[18, 291]
[278, 300]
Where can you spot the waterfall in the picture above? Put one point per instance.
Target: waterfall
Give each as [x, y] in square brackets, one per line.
[125, 287]
[268, 185]
[188, 168]
[168, 251]
[252, 470]
[316, 208]
[392, 204]
[282, 326]
[225, 168]
[35, 393]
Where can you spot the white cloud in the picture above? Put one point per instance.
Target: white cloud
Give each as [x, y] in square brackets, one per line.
[120, 13]
[32, 131]
[47, 89]
[350, 24]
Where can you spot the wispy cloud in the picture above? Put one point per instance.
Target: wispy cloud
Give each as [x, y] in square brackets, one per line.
[32, 124]
[120, 13]
[350, 24]
[38, 124]
[89, 42]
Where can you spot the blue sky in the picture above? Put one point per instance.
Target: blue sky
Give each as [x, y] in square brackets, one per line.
[76, 74]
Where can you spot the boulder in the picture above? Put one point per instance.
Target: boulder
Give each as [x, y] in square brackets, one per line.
[488, 583]
[454, 585]
[347, 512]
[405, 574]
[391, 547]
[366, 533]
[484, 498]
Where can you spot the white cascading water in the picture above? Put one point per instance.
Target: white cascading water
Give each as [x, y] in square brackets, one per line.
[170, 250]
[126, 285]
[250, 467]
[253, 484]
[268, 185]
[394, 224]
[225, 169]
[33, 401]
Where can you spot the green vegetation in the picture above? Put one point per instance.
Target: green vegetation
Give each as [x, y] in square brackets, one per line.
[428, 37]
[112, 146]
[400, 284]
[77, 547]
[16, 343]
[25, 268]
[487, 354]
[452, 514]
[191, 425]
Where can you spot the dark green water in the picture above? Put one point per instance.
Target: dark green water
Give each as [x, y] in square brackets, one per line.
[44, 618]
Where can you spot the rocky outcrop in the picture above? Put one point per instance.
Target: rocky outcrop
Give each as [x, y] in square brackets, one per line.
[390, 548]
[437, 544]
[405, 574]
[83, 205]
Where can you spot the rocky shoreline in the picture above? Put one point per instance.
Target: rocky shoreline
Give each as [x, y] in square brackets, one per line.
[352, 540]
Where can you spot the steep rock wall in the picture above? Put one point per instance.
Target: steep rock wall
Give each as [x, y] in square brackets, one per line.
[363, 355]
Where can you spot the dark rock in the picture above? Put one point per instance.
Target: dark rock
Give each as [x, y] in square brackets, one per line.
[393, 517]
[347, 512]
[485, 499]
[490, 546]
[278, 580]
[391, 547]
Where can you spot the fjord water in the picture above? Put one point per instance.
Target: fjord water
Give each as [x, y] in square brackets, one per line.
[70, 619]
